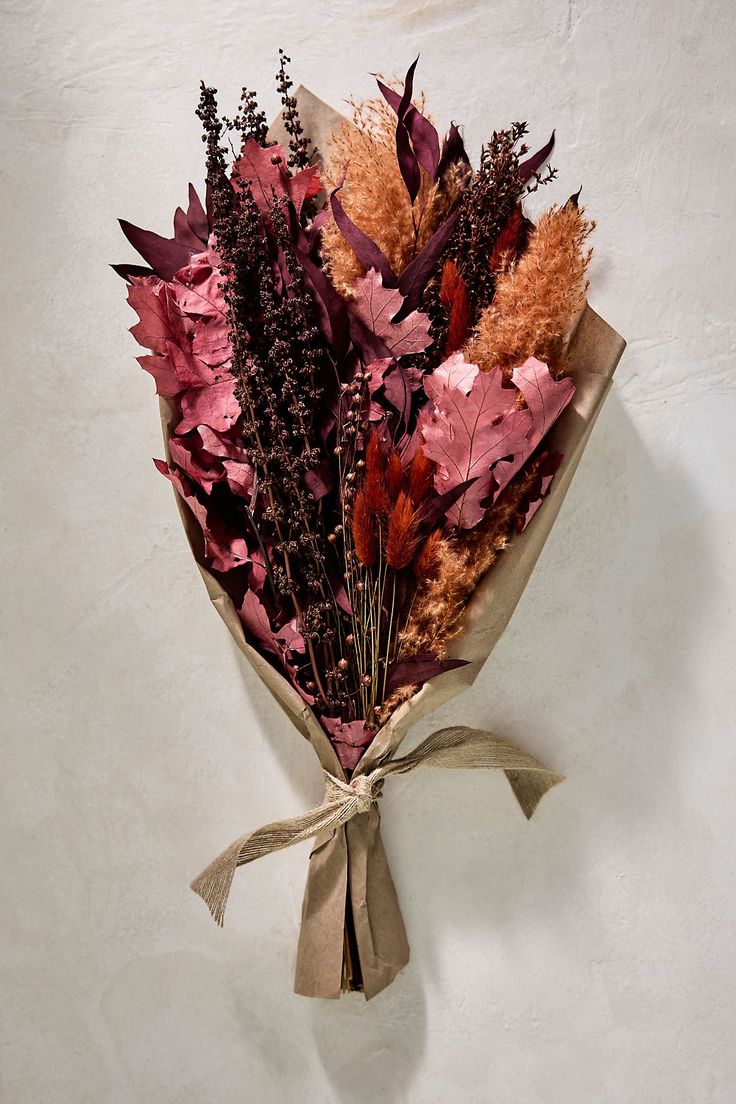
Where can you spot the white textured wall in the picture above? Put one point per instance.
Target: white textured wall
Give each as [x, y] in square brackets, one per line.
[584, 958]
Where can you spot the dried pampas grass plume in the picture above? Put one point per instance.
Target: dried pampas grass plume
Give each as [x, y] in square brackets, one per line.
[537, 298]
[375, 196]
[457, 567]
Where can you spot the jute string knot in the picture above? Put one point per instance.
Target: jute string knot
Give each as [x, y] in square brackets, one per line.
[364, 789]
[456, 747]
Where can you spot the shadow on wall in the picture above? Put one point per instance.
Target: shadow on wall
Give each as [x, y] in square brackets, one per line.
[590, 677]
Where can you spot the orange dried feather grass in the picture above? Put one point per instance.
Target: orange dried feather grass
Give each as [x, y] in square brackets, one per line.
[538, 296]
[375, 197]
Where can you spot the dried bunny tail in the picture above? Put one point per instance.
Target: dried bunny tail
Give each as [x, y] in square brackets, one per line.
[537, 298]
[365, 536]
[375, 197]
[454, 295]
[376, 491]
[421, 472]
[394, 475]
[401, 542]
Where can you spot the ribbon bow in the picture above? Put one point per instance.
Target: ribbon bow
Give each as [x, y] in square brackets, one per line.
[455, 748]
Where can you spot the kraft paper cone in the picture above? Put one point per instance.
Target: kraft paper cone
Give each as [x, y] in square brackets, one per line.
[352, 857]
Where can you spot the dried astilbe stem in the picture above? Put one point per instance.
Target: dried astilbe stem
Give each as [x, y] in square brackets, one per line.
[537, 298]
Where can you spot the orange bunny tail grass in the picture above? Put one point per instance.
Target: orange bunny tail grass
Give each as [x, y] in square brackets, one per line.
[427, 564]
[509, 241]
[537, 298]
[401, 543]
[365, 537]
[375, 197]
[421, 474]
[454, 295]
[375, 489]
[394, 475]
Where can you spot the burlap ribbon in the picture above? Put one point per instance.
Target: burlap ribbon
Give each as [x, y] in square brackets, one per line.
[454, 748]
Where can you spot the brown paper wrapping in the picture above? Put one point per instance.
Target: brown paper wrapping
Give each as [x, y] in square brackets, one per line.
[352, 858]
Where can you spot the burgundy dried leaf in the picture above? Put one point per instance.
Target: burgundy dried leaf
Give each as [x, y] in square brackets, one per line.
[366, 250]
[349, 739]
[532, 164]
[424, 137]
[197, 217]
[416, 275]
[419, 669]
[165, 256]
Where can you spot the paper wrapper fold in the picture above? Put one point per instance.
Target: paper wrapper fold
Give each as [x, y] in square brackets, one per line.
[351, 858]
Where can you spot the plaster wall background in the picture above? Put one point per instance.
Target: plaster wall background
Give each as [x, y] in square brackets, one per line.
[584, 958]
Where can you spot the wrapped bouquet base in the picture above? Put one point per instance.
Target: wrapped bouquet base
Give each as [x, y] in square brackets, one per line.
[348, 871]
[377, 379]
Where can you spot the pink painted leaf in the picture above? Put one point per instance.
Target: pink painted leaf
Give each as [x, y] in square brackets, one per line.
[466, 430]
[269, 180]
[377, 306]
[546, 398]
[349, 739]
[223, 550]
[215, 406]
[281, 643]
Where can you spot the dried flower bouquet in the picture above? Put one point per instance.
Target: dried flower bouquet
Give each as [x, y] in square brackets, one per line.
[373, 370]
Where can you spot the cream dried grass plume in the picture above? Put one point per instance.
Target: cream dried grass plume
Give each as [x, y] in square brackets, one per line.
[375, 197]
[537, 298]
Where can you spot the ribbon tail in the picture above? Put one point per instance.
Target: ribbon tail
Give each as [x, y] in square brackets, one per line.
[460, 747]
[531, 785]
[213, 884]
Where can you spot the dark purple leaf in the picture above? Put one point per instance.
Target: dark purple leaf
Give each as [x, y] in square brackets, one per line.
[165, 256]
[424, 137]
[366, 250]
[529, 167]
[453, 150]
[408, 164]
[575, 197]
[183, 232]
[197, 217]
[416, 275]
[331, 309]
[128, 270]
[434, 511]
[420, 668]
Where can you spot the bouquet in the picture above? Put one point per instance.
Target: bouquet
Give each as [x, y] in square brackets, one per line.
[376, 376]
